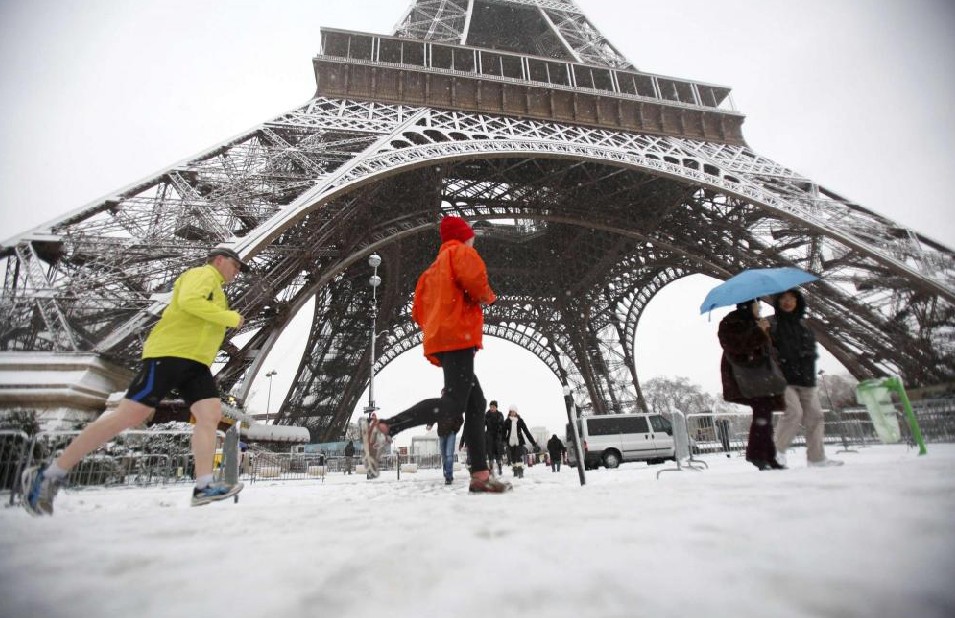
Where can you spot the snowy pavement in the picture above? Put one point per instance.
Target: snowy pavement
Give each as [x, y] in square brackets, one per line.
[874, 538]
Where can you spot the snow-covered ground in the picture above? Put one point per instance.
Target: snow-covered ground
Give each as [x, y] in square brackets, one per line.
[875, 538]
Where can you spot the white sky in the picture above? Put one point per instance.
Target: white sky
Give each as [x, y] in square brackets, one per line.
[855, 94]
[871, 539]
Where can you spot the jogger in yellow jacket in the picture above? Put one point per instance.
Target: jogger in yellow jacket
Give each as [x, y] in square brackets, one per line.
[177, 355]
[194, 324]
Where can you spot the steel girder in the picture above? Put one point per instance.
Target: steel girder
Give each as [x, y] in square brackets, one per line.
[550, 28]
[598, 222]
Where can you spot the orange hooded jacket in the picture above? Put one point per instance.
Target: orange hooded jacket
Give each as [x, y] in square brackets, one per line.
[448, 300]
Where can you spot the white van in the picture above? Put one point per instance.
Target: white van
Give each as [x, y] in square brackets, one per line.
[612, 439]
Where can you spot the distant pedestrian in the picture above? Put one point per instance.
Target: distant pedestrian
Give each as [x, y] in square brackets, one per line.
[744, 337]
[349, 456]
[515, 429]
[723, 430]
[448, 307]
[556, 450]
[447, 439]
[177, 355]
[796, 349]
[244, 458]
[494, 436]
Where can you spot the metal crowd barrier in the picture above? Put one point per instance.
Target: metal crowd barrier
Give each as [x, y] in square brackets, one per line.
[728, 432]
[267, 465]
[133, 458]
[13, 450]
[141, 458]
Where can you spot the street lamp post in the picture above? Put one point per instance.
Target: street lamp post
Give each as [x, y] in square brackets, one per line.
[374, 260]
[571, 419]
[268, 402]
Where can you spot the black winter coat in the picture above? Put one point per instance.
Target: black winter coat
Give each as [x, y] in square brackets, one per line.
[494, 425]
[795, 344]
[522, 431]
[555, 447]
[741, 338]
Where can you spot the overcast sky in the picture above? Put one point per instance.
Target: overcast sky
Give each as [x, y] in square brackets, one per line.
[855, 94]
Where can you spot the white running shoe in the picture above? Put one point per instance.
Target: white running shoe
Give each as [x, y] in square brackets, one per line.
[826, 463]
[38, 490]
[214, 492]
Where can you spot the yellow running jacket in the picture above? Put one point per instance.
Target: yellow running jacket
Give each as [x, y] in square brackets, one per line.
[193, 325]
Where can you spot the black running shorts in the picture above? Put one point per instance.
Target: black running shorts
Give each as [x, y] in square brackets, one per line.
[190, 378]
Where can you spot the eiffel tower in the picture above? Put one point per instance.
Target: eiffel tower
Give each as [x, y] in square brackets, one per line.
[592, 186]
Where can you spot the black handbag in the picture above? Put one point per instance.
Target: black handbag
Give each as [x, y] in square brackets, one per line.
[759, 376]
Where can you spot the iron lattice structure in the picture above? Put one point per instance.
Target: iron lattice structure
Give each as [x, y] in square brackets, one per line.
[593, 185]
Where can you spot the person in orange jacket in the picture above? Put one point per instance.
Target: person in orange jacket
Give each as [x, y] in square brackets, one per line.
[448, 306]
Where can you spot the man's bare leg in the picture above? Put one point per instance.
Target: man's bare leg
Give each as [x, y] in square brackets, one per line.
[40, 484]
[208, 412]
[128, 414]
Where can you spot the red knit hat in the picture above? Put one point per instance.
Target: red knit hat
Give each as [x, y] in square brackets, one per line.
[455, 228]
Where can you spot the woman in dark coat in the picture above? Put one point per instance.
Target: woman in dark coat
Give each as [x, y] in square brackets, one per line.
[744, 335]
[514, 431]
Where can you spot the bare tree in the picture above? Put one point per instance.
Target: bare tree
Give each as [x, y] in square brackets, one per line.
[837, 392]
[352, 432]
[665, 393]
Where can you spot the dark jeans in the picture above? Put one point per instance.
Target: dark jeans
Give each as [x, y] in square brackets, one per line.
[495, 450]
[462, 394]
[761, 446]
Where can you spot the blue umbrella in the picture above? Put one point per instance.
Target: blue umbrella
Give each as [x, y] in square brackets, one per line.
[754, 283]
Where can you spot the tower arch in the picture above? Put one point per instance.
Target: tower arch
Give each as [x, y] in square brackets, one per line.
[594, 183]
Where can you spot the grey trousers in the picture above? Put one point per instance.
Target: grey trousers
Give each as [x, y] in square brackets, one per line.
[802, 409]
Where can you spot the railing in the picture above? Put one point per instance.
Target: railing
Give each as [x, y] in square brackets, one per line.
[13, 450]
[142, 458]
[498, 65]
[729, 432]
[133, 458]
[267, 465]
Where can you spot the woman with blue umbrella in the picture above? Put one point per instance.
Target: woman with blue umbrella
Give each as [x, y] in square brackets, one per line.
[744, 337]
[748, 367]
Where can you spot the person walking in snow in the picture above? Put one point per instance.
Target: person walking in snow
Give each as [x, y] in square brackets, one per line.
[349, 454]
[493, 434]
[744, 336]
[447, 437]
[177, 355]
[514, 431]
[448, 307]
[796, 349]
[556, 450]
